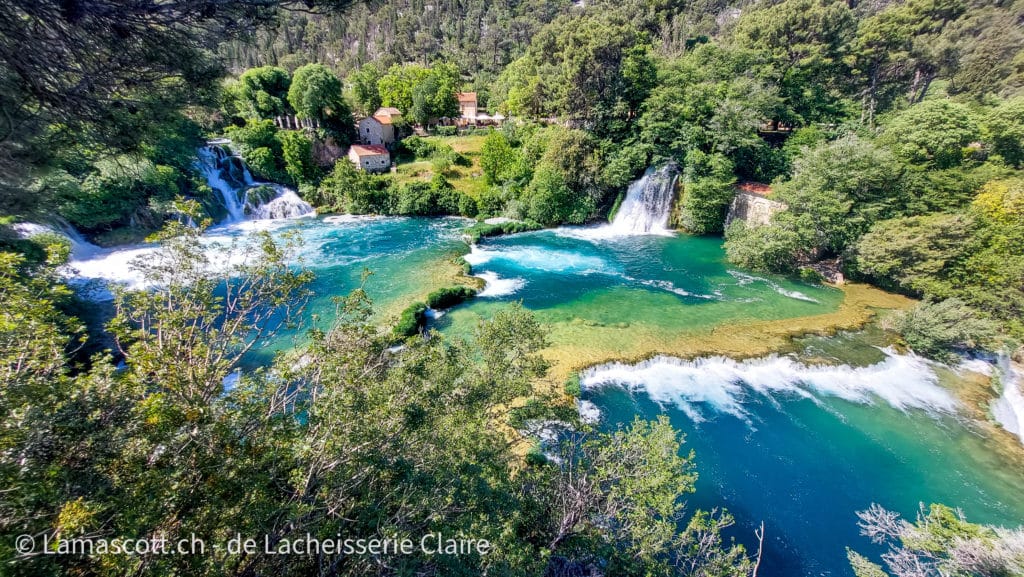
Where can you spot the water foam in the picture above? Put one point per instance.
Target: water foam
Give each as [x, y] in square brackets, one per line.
[351, 218]
[542, 259]
[589, 412]
[648, 202]
[80, 248]
[286, 204]
[1008, 409]
[224, 246]
[497, 286]
[724, 385]
[603, 232]
[745, 279]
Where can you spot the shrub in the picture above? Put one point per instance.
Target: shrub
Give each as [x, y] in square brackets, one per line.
[573, 387]
[449, 296]
[772, 248]
[933, 329]
[811, 276]
[420, 148]
[535, 457]
[484, 230]
[411, 321]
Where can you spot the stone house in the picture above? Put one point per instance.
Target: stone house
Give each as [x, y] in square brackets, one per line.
[370, 157]
[467, 105]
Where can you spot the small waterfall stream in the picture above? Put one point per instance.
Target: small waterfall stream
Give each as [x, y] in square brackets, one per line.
[648, 203]
[1008, 409]
[243, 197]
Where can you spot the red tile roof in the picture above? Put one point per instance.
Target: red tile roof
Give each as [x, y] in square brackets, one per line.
[368, 149]
[757, 188]
[466, 96]
[382, 118]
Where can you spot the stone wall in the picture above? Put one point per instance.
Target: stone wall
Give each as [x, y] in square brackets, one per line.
[753, 209]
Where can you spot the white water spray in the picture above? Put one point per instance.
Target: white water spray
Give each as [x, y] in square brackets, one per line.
[648, 203]
[1008, 409]
[230, 177]
[724, 385]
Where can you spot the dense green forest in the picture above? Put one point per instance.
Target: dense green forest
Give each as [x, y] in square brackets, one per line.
[892, 131]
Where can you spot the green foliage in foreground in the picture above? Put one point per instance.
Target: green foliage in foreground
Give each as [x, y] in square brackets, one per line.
[358, 439]
[940, 542]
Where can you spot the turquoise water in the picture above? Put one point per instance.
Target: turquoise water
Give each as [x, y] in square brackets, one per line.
[615, 294]
[408, 257]
[777, 440]
[799, 447]
[781, 443]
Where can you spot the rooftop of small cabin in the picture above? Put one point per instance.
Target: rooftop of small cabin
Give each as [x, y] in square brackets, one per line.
[758, 188]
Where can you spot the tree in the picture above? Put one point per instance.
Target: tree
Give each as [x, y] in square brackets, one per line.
[804, 42]
[263, 91]
[1004, 128]
[772, 248]
[550, 201]
[918, 254]
[934, 329]
[838, 190]
[498, 160]
[420, 92]
[707, 100]
[934, 132]
[363, 88]
[87, 73]
[707, 192]
[397, 85]
[520, 90]
[352, 191]
[315, 94]
[121, 190]
[940, 542]
[595, 71]
[630, 483]
[900, 50]
[297, 153]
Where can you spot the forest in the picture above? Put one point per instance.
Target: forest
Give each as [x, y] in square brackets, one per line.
[891, 131]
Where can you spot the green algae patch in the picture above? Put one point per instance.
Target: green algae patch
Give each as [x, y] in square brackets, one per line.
[576, 346]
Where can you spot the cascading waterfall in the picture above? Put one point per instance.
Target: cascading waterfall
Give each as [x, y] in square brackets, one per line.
[648, 203]
[724, 384]
[1008, 409]
[243, 197]
[80, 248]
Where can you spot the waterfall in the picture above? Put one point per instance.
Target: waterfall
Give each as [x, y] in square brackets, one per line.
[80, 248]
[1008, 409]
[243, 197]
[648, 203]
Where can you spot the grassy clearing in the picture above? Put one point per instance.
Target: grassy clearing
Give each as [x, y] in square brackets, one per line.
[465, 179]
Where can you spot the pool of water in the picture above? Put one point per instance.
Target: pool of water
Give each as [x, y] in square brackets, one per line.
[781, 440]
[622, 295]
[409, 257]
[802, 448]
